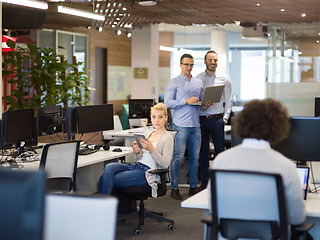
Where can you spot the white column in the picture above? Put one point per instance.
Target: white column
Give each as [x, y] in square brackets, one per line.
[219, 44]
[145, 54]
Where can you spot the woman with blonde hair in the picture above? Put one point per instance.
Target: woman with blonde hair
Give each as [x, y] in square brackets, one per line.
[155, 154]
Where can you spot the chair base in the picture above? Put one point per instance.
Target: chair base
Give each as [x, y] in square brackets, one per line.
[142, 213]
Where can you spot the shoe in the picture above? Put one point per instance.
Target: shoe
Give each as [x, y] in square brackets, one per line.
[175, 194]
[202, 186]
[193, 191]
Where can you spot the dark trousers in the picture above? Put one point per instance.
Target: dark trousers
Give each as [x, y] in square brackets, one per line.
[213, 127]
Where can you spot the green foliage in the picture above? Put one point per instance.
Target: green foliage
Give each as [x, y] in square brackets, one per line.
[41, 77]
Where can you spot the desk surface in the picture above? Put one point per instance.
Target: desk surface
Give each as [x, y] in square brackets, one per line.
[201, 201]
[86, 160]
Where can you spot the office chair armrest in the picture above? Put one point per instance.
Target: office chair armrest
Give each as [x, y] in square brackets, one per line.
[159, 171]
[303, 227]
[163, 173]
[207, 220]
[208, 223]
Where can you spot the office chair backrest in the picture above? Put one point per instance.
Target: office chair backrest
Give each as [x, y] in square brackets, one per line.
[80, 217]
[59, 161]
[248, 205]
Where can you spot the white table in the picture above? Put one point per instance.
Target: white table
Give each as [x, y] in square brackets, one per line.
[312, 204]
[90, 167]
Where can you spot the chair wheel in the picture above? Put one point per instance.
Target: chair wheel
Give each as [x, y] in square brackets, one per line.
[170, 227]
[137, 231]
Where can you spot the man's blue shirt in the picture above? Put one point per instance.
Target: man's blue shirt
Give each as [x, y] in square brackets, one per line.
[180, 89]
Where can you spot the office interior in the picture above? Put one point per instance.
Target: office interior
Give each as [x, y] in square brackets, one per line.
[266, 59]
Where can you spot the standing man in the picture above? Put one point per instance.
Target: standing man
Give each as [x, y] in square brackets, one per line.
[213, 119]
[180, 93]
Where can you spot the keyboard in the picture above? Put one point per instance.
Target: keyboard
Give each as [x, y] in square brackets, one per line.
[86, 151]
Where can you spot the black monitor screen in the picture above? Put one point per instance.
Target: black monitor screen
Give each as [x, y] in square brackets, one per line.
[140, 108]
[19, 126]
[49, 120]
[21, 204]
[303, 141]
[94, 118]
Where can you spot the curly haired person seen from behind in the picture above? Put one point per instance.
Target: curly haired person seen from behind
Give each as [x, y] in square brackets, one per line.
[259, 124]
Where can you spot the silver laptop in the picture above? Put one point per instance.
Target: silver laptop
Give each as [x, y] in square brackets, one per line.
[212, 94]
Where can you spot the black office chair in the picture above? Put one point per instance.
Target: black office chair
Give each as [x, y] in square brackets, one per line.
[249, 205]
[142, 193]
[59, 161]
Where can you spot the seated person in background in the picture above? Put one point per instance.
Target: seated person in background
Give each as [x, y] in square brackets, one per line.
[259, 124]
[156, 154]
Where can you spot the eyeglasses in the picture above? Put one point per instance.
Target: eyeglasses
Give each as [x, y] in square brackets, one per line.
[187, 64]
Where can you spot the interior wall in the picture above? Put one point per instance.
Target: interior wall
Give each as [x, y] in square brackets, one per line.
[119, 63]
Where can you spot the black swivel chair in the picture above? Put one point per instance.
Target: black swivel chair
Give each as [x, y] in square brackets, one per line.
[141, 193]
[249, 205]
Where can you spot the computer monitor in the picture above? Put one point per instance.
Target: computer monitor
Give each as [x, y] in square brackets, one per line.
[18, 126]
[49, 120]
[302, 143]
[140, 108]
[94, 118]
[21, 204]
[317, 107]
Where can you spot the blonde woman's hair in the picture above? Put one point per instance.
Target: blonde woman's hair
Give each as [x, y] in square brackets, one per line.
[159, 107]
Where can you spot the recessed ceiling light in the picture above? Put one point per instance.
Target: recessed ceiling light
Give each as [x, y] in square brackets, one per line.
[282, 10]
[147, 3]
[258, 4]
[317, 41]
[124, 9]
[303, 14]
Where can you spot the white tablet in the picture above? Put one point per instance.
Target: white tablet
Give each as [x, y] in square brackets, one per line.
[137, 136]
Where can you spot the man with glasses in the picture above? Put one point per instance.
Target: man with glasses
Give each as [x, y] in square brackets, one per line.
[213, 119]
[180, 93]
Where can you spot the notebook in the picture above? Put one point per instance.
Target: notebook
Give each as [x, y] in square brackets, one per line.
[212, 94]
[303, 173]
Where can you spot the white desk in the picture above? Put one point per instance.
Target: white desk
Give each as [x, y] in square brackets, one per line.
[312, 204]
[90, 167]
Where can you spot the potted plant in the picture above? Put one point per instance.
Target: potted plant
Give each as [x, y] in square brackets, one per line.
[41, 77]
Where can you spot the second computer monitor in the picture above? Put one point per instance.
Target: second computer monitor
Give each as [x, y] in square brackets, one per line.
[50, 120]
[140, 108]
[94, 118]
[302, 143]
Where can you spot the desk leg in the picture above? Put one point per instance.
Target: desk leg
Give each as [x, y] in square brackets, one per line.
[88, 178]
[127, 143]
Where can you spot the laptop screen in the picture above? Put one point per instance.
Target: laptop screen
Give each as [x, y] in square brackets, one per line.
[303, 173]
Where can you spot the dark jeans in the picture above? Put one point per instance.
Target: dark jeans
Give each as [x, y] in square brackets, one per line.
[215, 128]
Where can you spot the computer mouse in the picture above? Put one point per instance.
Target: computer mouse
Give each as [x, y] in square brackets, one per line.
[117, 150]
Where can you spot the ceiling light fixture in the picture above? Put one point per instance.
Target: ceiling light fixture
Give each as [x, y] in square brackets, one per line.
[28, 3]
[119, 32]
[282, 10]
[303, 14]
[129, 34]
[74, 12]
[147, 3]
